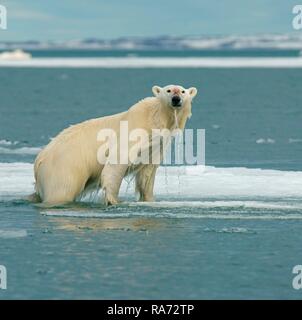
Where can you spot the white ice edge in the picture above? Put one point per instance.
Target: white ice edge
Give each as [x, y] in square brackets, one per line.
[174, 215]
[185, 183]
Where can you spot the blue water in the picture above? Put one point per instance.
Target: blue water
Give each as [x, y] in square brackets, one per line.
[252, 119]
[84, 53]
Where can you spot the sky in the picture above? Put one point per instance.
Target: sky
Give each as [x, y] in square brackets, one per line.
[80, 19]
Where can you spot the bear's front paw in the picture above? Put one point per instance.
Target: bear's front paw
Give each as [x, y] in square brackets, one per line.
[110, 201]
[146, 199]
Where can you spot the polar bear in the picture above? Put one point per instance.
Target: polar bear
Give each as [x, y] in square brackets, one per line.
[69, 166]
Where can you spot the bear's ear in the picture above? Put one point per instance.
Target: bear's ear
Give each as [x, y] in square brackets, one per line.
[192, 92]
[156, 90]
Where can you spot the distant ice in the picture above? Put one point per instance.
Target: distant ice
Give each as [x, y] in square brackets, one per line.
[15, 55]
[158, 62]
[12, 234]
[230, 230]
[11, 147]
[215, 126]
[291, 140]
[5, 142]
[229, 42]
[20, 151]
[265, 141]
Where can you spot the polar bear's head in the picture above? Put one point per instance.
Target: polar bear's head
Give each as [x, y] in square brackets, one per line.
[174, 96]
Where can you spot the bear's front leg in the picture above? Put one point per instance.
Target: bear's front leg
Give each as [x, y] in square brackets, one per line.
[144, 181]
[111, 179]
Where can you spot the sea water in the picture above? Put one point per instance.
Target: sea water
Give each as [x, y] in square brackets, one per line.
[229, 230]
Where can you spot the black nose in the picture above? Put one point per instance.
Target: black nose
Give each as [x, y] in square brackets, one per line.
[176, 101]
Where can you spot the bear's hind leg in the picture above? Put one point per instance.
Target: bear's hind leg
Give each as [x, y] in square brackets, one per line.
[58, 199]
[111, 179]
[57, 191]
[144, 182]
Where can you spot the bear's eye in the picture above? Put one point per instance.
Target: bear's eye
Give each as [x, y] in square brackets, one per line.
[168, 90]
[183, 91]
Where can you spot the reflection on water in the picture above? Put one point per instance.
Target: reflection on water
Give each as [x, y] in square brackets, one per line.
[124, 224]
[80, 217]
